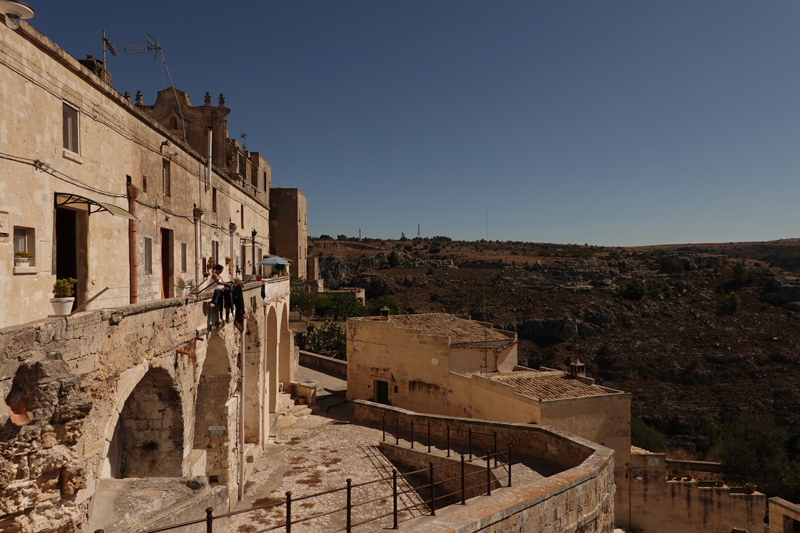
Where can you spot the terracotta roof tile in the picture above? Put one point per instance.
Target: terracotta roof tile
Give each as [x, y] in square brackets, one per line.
[553, 385]
[460, 331]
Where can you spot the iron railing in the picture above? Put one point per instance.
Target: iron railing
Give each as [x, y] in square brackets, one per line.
[501, 459]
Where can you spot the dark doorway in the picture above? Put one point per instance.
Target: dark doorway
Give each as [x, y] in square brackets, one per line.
[382, 392]
[167, 262]
[66, 246]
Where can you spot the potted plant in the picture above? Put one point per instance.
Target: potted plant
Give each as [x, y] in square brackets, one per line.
[751, 487]
[22, 259]
[63, 296]
[184, 286]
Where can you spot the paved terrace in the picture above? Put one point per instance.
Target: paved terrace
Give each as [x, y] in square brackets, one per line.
[317, 452]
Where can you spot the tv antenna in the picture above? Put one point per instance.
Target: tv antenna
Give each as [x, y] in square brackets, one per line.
[243, 136]
[15, 12]
[155, 46]
[111, 48]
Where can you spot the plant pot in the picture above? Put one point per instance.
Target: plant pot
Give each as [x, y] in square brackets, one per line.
[751, 487]
[720, 483]
[688, 478]
[670, 476]
[22, 261]
[62, 306]
[258, 278]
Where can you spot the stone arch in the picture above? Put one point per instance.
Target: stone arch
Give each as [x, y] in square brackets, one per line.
[285, 344]
[148, 436]
[213, 421]
[253, 383]
[271, 340]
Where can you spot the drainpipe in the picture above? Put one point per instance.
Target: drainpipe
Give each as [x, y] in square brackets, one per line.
[133, 227]
[241, 413]
[198, 213]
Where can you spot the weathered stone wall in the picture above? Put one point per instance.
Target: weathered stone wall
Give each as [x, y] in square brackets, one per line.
[784, 517]
[659, 506]
[580, 498]
[68, 383]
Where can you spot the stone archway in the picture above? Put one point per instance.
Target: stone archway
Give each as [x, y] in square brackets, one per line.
[213, 421]
[148, 437]
[271, 340]
[285, 346]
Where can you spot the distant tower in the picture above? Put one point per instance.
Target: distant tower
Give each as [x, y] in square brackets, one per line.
[417, 231]
[359, 234]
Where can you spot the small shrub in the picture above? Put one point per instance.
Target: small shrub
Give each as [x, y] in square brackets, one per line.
[431, 270]
[394, 259]
[741, 275]
[733, 301]
[634, 290]
[647, 437]
[380, 303]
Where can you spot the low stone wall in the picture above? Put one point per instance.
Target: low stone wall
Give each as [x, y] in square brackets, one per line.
[329, 365]
[580, 498]
[784, 516]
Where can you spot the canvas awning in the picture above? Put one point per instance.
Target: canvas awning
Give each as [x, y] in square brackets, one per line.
[273, 260]
[64, 199]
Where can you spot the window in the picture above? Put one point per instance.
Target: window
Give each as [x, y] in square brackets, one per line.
[173, 123]
[148, 255]
[70, 115]
[213, 200]
[144, 183]
[184, 260]
[266, 184]
[215, 251]
[273, 250]
[24, 241]
[165, 177]
[241, 210]
[273, 213]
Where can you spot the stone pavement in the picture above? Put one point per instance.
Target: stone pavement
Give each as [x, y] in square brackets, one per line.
[315, 453]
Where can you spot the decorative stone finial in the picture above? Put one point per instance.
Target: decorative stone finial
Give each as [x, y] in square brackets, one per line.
[221, 100]
[127, 96]
[207, 99]
[139, 98]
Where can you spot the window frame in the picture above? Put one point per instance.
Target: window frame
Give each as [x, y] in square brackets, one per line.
[184, 257]
[68, 133]
[166, 185]
[148, 255]
[29, 242]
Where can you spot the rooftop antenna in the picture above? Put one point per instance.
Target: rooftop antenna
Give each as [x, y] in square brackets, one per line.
[243, 136]
[111, 48]
[154, 45]
[15, 12]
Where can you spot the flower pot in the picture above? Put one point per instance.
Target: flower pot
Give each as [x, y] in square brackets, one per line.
[22, 261]
[62, 306]
[688, 478]
[258, 278]
[751, 487]
[720, 483]
[670, 476]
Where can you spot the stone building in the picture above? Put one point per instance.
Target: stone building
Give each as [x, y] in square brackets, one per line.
[446, 365]
[289, 223]
[140, 390]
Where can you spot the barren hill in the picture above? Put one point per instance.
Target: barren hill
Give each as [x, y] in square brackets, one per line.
[685, 350]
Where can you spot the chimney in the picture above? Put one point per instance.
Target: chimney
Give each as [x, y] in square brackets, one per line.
[577, 369]
[385, 313]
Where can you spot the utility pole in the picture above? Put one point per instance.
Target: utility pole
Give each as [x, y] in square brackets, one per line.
[417, 231]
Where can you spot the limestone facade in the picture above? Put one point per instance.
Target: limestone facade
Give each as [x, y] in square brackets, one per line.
[289, 223]
[660, 506]
[65, 131]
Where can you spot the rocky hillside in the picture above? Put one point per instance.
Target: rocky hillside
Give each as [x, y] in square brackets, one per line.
[703, 340]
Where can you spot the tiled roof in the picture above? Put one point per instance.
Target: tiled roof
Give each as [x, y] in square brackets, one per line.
[460, 331]
[552, 385]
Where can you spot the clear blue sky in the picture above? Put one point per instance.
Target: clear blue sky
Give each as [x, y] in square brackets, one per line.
[614, 123]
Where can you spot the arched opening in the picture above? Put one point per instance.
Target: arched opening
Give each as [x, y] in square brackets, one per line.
[285, 363]
[148, 437]
[212, 428]
[252, 384]
[272, 358]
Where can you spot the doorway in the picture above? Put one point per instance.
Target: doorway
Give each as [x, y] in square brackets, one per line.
[382, 392]
[66, 249]
[167, 264]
